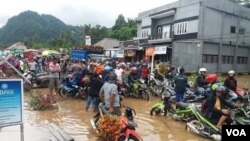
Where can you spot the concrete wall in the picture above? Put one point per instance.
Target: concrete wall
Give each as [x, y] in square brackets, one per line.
[187, 9]
[213, 23]
[187, 54]
[211, 68]
[159, 22]
[139, 29]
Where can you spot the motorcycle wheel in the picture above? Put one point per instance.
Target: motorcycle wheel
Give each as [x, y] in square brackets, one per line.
[155, 111]
[145, 95]
[199, 126]
[61, 91]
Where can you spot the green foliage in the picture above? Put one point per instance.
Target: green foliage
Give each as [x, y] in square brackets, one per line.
[123, 30]
[46, 31]
[32, 28]
[124, 33]
[119, 23]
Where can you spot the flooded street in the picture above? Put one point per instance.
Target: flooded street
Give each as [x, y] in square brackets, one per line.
[71, 117]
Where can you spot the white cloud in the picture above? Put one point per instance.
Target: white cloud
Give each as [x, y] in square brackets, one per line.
[79, 12]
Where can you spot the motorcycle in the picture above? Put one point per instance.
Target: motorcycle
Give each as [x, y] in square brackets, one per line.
[243, 95]
[71, 89]
[164, 105]
[240, 116]
[138, 90]
[157, 86]
[196, 121]
[38, 79]
[128, 125]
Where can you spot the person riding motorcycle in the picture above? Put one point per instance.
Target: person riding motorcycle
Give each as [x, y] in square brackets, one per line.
[231, 84]
[109, 95]
[201, 83]
[214, 106]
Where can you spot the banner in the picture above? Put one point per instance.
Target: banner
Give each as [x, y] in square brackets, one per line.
[120, 53]
[107, 53]
[88, 40]
[160, 50]
[11, 102]
[150, 51]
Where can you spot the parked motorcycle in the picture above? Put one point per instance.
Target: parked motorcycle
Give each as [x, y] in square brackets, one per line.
[157, 86]
[240, 116]
[38, 79]
[138, 90]
[196, 121]
[71, 89]
[128, 125]
[164, 105]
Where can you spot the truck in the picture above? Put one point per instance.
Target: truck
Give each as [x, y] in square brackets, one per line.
[85, 53]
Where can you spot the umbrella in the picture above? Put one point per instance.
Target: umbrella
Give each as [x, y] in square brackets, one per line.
[49, 52]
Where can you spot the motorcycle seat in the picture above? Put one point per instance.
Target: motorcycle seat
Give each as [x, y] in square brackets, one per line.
[41, 73]
[182, 105]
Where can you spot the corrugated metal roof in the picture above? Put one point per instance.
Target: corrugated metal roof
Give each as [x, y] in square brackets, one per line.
[108, 43]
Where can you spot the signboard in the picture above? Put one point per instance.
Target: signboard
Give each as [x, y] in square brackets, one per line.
[11, 102]
[88, 40]
[120, 54]
[160, 50]
[150, 51]
[107, 53]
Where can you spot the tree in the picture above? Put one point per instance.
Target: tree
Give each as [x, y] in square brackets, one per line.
[123, 30]
[125, 33]
[132, 23]
[97, 33]
[64, 40]
[119, 23]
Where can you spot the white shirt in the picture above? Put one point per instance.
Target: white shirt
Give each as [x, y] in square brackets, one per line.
[33, 66]
[119, 72]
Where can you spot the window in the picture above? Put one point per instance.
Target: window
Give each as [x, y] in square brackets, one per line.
[233, 29]
[227, 59]
[206, 58]
[159, 33]
[166, 32]
[242, 60]
[146, 32]
[242, 31]
[182, 28]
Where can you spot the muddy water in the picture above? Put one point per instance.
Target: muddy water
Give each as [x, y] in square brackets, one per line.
[72, 117]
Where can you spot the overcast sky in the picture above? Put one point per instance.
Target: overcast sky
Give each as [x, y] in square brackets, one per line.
[79, 12]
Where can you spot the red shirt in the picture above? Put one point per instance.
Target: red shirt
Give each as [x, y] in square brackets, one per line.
[144, 72]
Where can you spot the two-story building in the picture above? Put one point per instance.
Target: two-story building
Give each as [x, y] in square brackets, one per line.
[214, 34]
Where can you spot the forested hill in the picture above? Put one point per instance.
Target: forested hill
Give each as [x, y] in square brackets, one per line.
[30, 26]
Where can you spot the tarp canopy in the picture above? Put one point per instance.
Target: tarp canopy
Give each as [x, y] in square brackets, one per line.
[50, 52]
[17, 50]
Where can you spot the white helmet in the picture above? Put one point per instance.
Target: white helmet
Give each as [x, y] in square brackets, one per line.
[231, 72]
[202, 70]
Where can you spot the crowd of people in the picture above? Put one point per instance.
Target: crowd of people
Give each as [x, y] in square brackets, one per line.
[103, 77]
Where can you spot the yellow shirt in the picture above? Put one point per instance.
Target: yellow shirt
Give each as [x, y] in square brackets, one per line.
[217, 103]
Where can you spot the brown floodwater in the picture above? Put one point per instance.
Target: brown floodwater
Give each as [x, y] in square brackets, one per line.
[71, 117]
